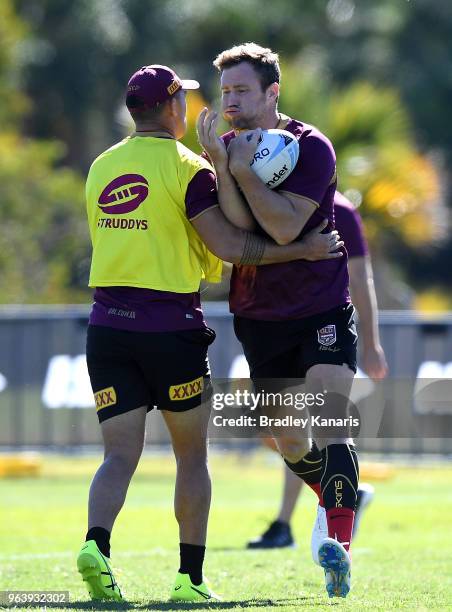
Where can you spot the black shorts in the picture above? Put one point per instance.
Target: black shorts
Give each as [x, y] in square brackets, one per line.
[166, 370]
[287, 349]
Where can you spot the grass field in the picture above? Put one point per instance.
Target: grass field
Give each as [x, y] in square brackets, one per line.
[402, 555]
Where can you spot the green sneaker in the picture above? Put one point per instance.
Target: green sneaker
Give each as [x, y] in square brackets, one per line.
[96, 572]
[185, 590]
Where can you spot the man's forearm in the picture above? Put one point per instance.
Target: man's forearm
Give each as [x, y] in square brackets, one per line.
[274, 212]
[245, 248]
[242, 247]
[363, 295]
[231, 202]
[366, 307]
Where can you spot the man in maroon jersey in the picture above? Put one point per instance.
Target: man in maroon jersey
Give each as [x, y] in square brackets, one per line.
[294, 320]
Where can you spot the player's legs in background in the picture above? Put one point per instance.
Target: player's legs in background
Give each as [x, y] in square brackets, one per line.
[364, 497]
[279, 533]
[291, 493]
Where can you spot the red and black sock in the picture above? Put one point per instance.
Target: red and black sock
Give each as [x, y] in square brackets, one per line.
[191, 561]
[102, 538]
[310, 469]
[339, 486]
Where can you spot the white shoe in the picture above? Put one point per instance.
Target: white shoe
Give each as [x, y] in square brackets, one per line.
[335, 560]
[319, 533]
[364, 496]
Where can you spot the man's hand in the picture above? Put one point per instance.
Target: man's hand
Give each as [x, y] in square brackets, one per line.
[374, 362]
[322, 246]
[206, 127]
[241, 151]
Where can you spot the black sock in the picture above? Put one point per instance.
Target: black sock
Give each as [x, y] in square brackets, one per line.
[354, 455]
[310, 467]
[102, 538]
[340, 478]
[191, 561]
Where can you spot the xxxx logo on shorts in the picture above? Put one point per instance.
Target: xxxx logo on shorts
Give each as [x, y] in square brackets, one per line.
[124, 194]
[186, 390]
[327, 335]
[105, 397]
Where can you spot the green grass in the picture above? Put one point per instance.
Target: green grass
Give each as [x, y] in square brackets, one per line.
[402, 555]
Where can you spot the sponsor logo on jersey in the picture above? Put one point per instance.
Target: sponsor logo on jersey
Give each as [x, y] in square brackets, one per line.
[186, 390]
[104, 398]
[119, 312]
[327, 335]
[124, 194]
[114, 223]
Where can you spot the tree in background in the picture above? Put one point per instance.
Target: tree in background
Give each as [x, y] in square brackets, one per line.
[380, 167]
[43, 241]
[74, 57]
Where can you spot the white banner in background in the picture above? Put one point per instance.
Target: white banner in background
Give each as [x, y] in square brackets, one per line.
[67, 383]
[432, 393]
[3, 382]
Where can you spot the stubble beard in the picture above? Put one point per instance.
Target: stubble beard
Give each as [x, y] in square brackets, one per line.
[243, 123]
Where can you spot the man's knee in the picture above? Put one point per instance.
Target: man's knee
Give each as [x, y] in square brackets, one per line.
[293, 449]
[124, 437]
[124, 459]
[324, 442]
[188, 431]
[194, 455]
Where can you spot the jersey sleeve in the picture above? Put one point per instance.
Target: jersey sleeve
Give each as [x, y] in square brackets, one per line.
[315, 170]
[349, 224]
[201, 193]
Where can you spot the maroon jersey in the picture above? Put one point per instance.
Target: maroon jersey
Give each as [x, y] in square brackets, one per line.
[297, 289]
[350, 226]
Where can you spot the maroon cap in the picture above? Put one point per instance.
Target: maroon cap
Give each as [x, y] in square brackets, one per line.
[152, 85]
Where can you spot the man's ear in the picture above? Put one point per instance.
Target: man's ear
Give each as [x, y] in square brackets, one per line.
[171, 106]
[273, 92]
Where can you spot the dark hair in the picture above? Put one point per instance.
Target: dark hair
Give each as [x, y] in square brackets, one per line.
[264, 61]
[141, 111]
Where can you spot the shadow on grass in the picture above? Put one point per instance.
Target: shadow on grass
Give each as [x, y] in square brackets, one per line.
[220, 605]
[265, 604]
[78, 605]
[227, 548]
[243, 548]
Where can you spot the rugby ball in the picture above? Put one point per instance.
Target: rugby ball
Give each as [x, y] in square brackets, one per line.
[276, 156]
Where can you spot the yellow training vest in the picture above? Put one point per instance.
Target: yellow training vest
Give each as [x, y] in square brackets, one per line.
[141, 236]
